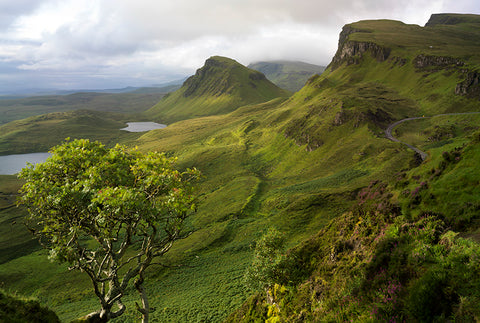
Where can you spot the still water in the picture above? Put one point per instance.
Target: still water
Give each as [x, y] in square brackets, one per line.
[143, 126]
[12, 164]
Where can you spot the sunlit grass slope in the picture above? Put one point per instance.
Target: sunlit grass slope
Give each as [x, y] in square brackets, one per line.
[396, 255]
[219, 87]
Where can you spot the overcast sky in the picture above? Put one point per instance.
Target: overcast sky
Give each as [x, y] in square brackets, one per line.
[98, 44]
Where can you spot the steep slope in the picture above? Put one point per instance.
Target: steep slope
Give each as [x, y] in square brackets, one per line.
[219, 87]
[437, 66]
[400, 253]
[288, 75]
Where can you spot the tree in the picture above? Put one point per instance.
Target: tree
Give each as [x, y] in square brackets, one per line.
[263, 273]
[109, 213]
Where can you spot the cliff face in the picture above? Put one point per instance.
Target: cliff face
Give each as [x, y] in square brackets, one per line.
[351, 51]
[424, 61]
[470, 87]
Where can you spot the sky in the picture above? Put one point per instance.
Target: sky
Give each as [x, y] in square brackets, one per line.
[103, 44]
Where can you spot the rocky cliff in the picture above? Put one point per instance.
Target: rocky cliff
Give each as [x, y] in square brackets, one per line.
[351, 51]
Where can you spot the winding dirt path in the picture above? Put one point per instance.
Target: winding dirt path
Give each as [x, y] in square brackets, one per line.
[423, 155]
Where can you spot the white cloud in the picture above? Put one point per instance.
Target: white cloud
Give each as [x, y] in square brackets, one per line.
[134, 39]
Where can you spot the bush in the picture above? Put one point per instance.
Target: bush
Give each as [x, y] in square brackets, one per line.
[430, 297]
[18, 311]
[263, 272]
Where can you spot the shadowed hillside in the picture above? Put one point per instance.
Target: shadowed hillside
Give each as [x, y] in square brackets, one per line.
[288, 75]
[219, 87]
[129, 103]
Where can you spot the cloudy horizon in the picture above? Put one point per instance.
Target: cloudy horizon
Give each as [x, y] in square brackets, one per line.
[100, 44]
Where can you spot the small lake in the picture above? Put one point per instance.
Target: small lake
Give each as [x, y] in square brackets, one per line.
[143, 126]
[12, 164]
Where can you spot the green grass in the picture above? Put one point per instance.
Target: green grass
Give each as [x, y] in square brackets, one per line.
[129, 103]
[15, 310]
[15, 239]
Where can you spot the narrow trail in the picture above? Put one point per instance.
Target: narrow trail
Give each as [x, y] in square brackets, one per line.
[423, 155]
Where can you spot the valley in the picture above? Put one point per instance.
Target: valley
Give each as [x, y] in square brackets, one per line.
[373, 231]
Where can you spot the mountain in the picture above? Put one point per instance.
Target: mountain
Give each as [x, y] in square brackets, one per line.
[375, 262]
[288, 75]
[372, 231]
[219, 87]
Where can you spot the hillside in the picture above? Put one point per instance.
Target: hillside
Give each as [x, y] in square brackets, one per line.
[374, 233]
[130, 103]
[219, 87]
[288, 75]
[400, 253]
[19, 310]
[39, 133]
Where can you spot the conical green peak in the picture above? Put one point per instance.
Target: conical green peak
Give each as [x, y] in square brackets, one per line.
[220, 86]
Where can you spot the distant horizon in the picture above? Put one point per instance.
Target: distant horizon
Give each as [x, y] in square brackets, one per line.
[71, 44]
[177, 81]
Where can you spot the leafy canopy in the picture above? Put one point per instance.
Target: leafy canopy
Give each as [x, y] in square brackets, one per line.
[263, 273]
[89, 204]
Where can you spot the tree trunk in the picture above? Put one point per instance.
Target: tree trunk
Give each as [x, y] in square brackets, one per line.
[95, 317]
[145, 308]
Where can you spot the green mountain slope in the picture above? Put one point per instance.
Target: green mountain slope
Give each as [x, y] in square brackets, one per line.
[219, 87]
[397, 255]
[288, 75]
[361, 214]
[39, 133]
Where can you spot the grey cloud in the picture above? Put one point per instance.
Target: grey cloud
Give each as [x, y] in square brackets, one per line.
[151, 38]
[11, 10]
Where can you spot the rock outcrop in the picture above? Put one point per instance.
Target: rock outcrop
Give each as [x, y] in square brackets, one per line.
[470, 87]
[425, 61]
[351, 51]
